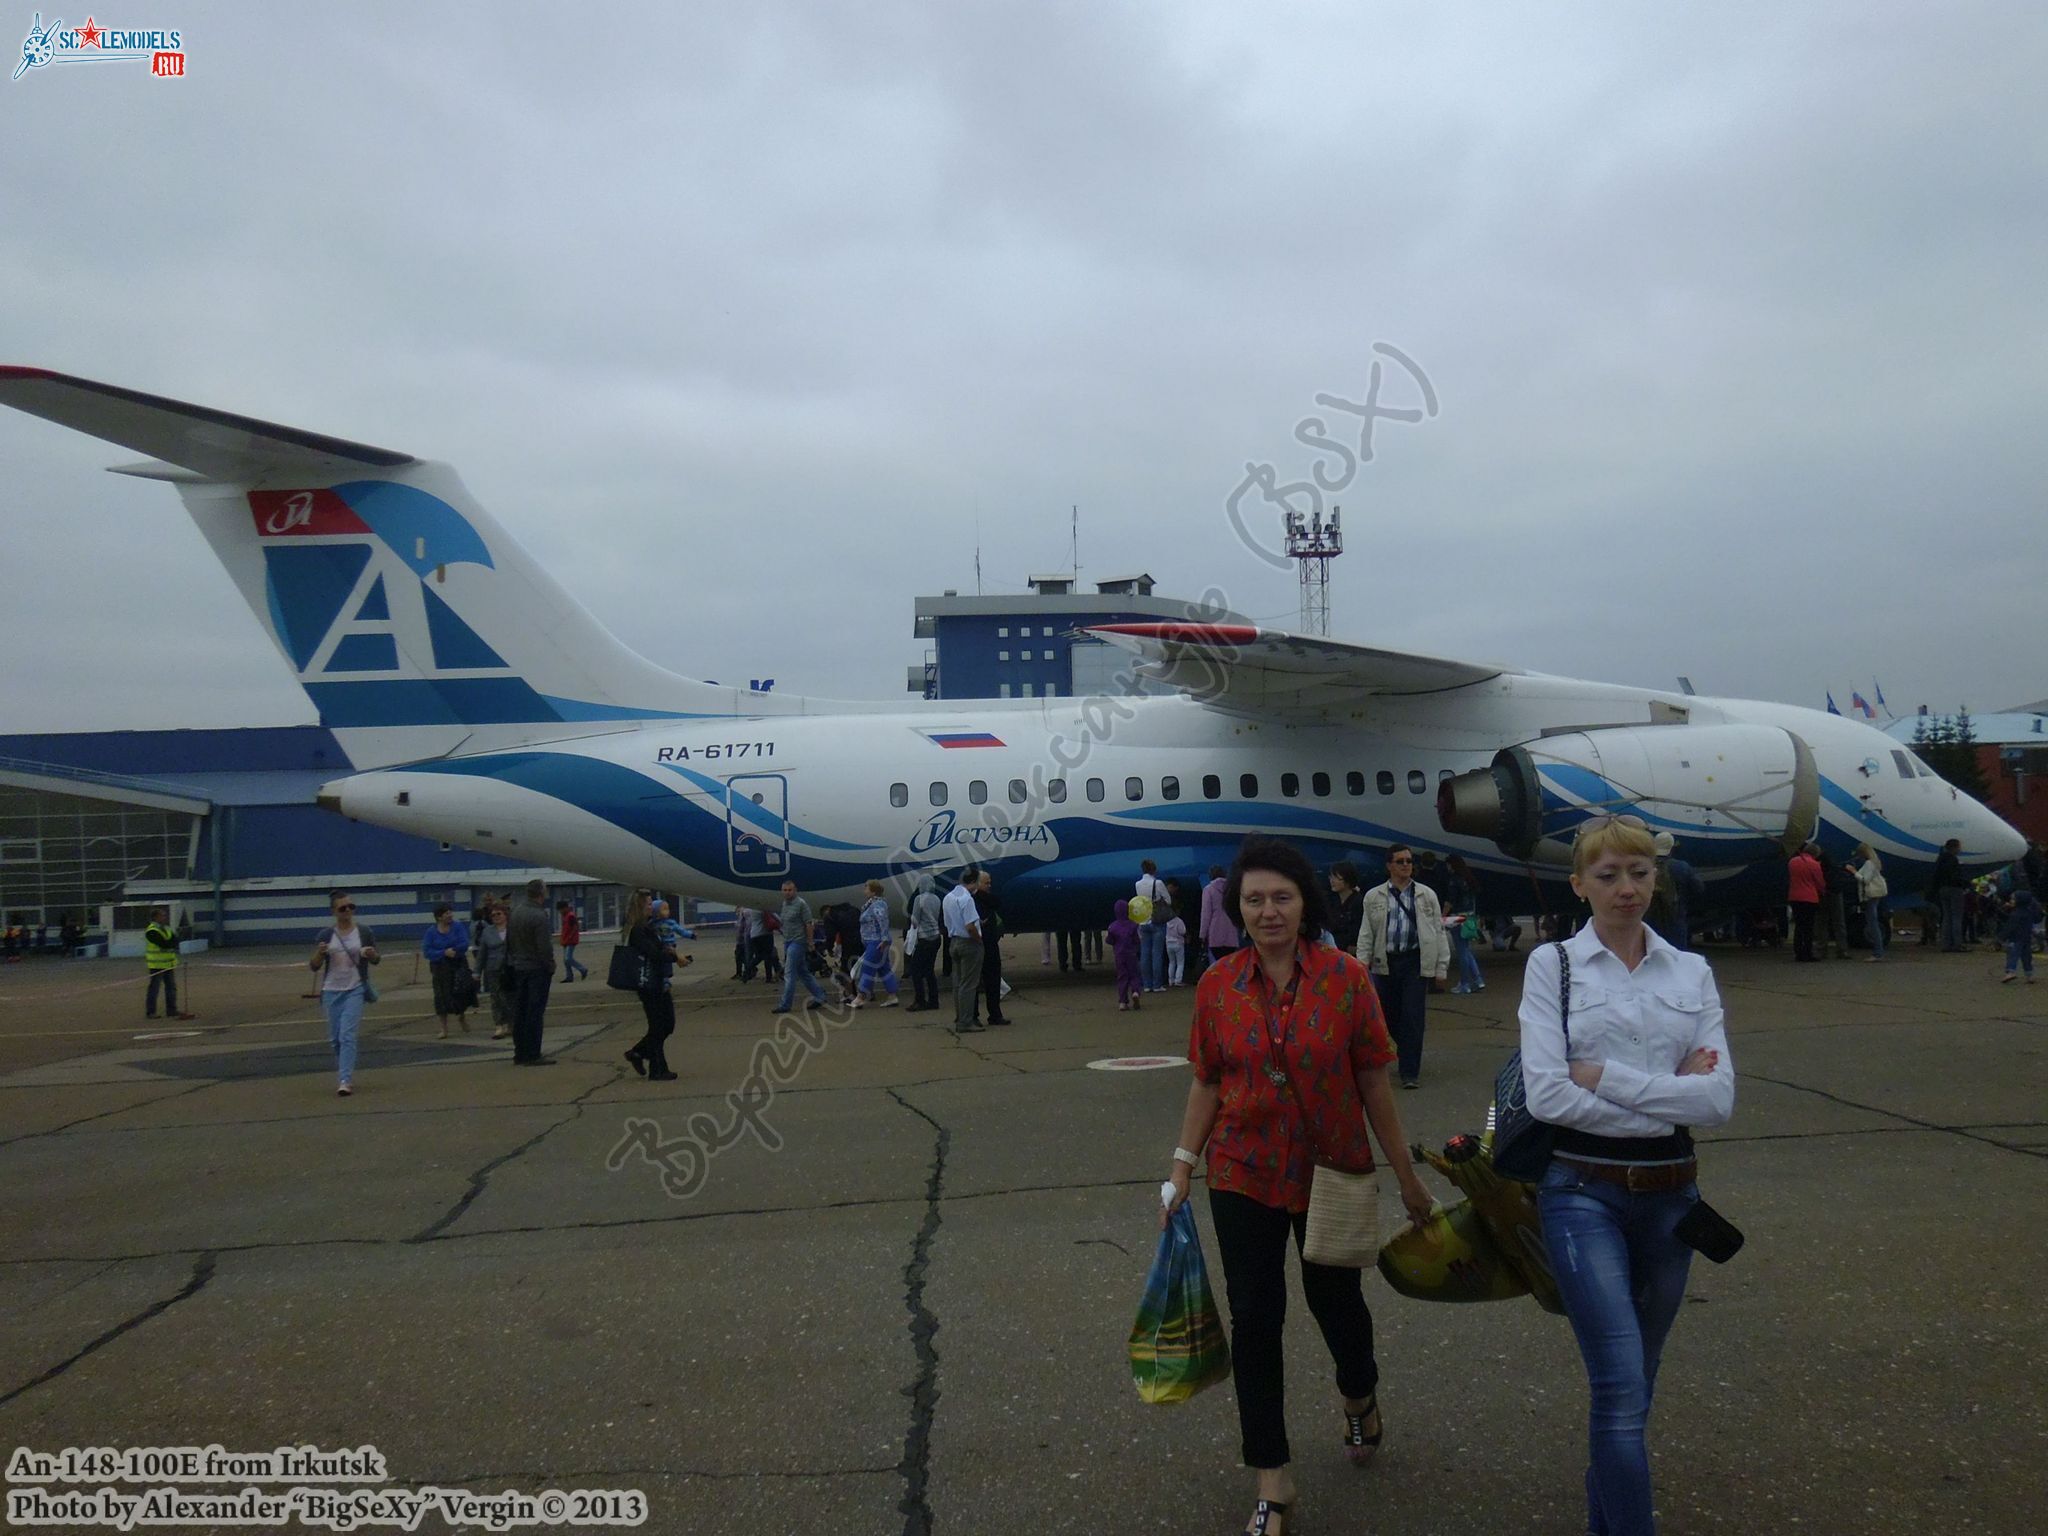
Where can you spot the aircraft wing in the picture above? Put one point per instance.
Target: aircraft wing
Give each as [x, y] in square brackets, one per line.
[1247, 670]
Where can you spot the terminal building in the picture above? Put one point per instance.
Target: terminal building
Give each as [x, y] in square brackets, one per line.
[98, 827]
[1030, 645]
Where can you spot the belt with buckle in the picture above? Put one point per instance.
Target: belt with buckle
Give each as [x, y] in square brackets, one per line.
[1639, 1178]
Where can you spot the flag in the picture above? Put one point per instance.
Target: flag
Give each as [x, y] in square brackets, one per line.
[1878, 689]
[1831, 705]
[1857, 701]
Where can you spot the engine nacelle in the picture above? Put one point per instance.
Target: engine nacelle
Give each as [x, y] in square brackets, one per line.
[1728, 794]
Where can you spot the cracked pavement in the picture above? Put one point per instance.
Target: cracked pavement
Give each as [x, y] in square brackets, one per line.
[910, 1315]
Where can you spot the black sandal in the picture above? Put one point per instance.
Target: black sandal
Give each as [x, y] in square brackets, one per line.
[1357, 1443]
[1262, 1515]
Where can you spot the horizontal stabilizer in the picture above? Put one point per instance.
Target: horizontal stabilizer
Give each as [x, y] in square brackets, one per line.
[217, 444]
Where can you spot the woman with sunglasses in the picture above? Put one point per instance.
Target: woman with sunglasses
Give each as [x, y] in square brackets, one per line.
[1640, 1060]
[344, 958]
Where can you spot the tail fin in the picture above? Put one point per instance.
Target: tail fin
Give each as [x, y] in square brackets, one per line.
[412, 620]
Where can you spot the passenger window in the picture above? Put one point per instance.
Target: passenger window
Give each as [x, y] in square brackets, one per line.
[1319, 783]
[1016, 791]
[1134, 789]
[1212, 787]
[977, 792]
[1385, 780]
[1354, 782]
[1169, 788]
[1095, 789]
[1418, 781]
[1290, 784]
[938, 794]
[899, 794]
[1056, 791]
[1248, 785]
[1905, 764]
[1442, 774]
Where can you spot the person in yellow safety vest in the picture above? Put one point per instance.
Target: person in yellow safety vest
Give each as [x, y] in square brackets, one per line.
[160, 956]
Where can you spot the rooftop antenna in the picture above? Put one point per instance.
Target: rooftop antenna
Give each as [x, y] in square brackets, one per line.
[977, 567]
[1076, 510]
[1315, 543]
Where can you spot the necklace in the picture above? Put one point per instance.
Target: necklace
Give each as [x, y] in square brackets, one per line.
[1275, 1032]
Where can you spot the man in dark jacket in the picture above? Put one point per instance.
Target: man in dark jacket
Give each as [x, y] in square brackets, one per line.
[530, 960]
[1946, 890]
[991, 918]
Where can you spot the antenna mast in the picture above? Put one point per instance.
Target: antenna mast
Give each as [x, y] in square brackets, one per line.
[1315, 543]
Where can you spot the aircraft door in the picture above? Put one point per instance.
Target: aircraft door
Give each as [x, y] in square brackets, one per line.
[757, 823]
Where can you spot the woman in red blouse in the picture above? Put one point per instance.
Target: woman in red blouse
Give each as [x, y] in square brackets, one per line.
[1290, 1056]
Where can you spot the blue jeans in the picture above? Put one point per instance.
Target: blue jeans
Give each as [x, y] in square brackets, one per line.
[344, 1013]
[1874, 925]
[571, 966]
[1469, 975]
[875, 968]
[1950, 901]
[1621, 1275]
[2019, 952]
[796, 967]
[1152, 956]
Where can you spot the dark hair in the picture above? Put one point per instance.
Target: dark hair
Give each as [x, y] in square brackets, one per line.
[334, 896]
[1399, 848]
[535, 889]
[1290, 863]
[1348, 870]
[444, 907]
[969, 874]
[1215, 871]
[1148, 866]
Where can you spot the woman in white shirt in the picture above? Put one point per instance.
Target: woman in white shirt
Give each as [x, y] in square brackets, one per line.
[1872, 890]
[1646, 1059]
[344, 957]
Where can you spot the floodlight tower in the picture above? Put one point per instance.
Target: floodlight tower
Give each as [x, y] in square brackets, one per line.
[1315, 544]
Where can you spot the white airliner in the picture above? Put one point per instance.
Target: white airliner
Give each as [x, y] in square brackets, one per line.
[481, 705]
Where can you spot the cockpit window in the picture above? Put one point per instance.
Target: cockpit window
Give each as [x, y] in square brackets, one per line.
[1923, 770]
[1905, 763]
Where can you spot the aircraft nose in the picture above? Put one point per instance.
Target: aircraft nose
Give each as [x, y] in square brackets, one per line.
[1999, 839]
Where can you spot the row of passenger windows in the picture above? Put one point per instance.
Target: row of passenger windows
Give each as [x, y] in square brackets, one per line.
[1019, 793]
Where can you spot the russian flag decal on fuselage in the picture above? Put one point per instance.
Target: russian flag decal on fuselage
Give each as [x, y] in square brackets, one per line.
[963, 738]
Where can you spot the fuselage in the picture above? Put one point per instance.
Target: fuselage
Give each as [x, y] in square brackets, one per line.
[1062, 798]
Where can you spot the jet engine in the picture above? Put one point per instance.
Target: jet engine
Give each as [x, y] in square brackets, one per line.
[1728, 794]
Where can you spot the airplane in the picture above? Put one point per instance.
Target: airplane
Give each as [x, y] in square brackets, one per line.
[482, 706]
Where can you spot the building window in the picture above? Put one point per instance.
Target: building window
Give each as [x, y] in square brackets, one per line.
[1134, 788]
[1003, 633]
[1212, 787]
[1002, 655]
[1048, 654]
[1016, 791]
[1248, 785]
[1169, 788]
[938, 793]
[1354, 782]
[1290, 784]
[1385, 780]
[899, 794]
[1418, 781]
[21, 850]
[977, 792]
[1056, 791]
[1024, 690]
[1095, 789]
[1319, 783]
[1002, 690]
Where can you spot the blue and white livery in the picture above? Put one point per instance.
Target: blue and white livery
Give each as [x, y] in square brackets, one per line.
[484, 707]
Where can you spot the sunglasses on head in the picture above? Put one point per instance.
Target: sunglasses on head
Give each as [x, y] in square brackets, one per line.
[1595, 823]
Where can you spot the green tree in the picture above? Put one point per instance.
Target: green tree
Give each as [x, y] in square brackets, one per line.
[1948, 745]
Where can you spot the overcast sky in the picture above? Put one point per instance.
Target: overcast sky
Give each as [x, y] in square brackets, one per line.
[754, 322]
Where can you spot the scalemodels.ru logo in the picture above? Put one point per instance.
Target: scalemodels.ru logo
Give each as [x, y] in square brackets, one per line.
[163, 51]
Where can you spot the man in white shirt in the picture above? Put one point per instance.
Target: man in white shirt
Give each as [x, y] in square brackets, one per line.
[1152, 932]
[963, 929]
[1402, 942]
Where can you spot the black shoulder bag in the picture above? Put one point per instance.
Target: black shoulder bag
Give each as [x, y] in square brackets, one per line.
[1522, 1143]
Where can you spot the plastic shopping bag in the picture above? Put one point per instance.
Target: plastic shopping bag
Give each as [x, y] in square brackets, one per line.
[1177, 1344]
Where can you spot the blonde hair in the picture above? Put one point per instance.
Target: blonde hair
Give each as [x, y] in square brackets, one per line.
[637, 910]
[1611, 836]
[1870, 853]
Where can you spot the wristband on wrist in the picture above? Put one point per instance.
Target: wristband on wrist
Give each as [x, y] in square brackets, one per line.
[1183, 1155]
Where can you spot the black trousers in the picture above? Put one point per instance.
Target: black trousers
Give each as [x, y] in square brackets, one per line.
[529, 1009]
[1403, 991]
[1803, 914]
[168, 980]
[1070, 945]
[660, 1008]
[992, 979]
[1251, 1240]
[767, 955]
[924, 978]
